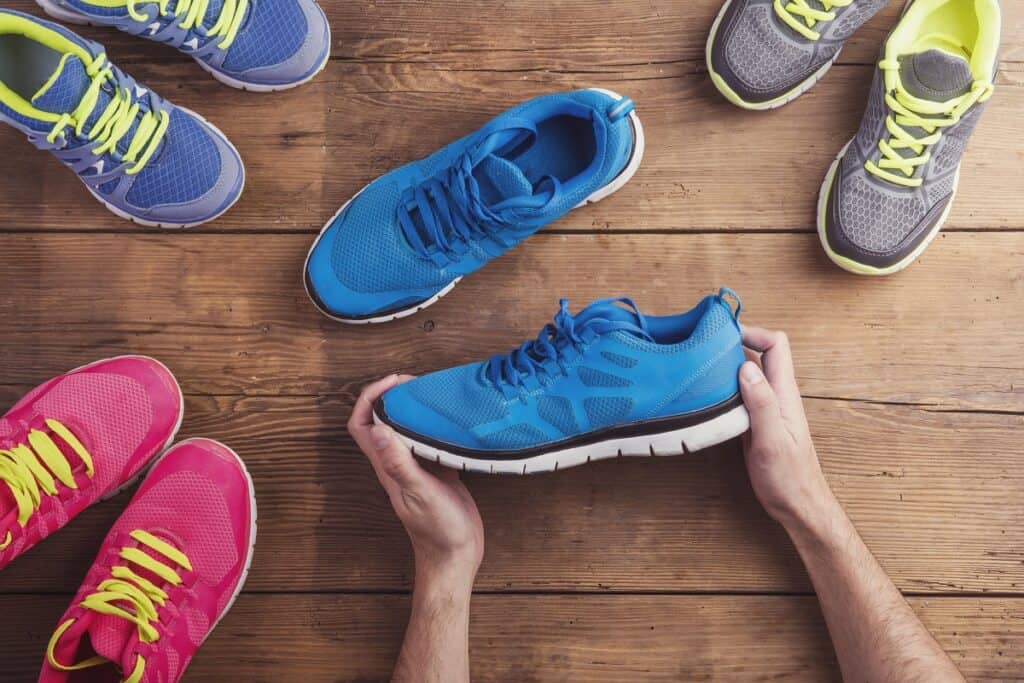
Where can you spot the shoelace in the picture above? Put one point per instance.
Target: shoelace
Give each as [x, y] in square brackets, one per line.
[910, 111]
[452, 211]
[194, 11]
[139, 593]
[800, 16]
[33, 469]
[557, 344]
[116, 120]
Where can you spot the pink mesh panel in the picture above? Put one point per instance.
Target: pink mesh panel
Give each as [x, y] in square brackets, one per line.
[117, 411]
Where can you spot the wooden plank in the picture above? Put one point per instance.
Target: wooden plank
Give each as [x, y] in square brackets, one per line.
[708, 165]
[942, 333]
[355, 638]
[525, 34]
[938, 497]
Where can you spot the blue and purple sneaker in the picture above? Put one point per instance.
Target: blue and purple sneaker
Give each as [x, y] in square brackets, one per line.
[255, 45]
[144, 158]
[407, 238]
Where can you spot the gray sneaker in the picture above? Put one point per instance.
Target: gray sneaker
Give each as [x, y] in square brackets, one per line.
[890, 190]
[762, 54]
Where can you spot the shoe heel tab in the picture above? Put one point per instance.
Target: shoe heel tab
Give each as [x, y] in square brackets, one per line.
[725, 295]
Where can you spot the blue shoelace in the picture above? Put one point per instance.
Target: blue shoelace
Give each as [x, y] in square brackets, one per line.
[558, 343]
[452, 212]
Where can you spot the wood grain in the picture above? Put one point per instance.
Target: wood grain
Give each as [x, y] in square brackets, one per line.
[526, 639]
[708, 165]
[942, 333]
[937, 495]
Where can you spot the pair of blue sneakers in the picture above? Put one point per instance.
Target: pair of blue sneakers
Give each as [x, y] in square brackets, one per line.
[146, 159]
[605, 382]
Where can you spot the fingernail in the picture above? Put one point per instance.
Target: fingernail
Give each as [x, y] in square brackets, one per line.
[381, 437]
[751, 374]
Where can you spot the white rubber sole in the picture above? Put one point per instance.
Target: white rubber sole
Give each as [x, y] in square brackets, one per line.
[58, 12]
[639, 145]
[731, 95]
[677, 442]
[854, 267]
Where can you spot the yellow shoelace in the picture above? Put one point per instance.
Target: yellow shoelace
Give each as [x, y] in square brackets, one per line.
[33, 469]
[802, 18]
[193, 12]
[910, 111]
[116, 120]
[130, 589]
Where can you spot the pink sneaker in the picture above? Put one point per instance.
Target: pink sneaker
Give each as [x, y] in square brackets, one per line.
[167, 573]
[78, 439]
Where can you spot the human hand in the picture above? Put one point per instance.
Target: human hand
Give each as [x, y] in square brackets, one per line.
[781, 460]
[435, 507]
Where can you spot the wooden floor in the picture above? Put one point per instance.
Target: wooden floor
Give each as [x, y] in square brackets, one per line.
[636, 570]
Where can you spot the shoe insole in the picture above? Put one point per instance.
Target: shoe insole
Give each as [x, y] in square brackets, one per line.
[564, 148]
[25, 65]
[951, 27]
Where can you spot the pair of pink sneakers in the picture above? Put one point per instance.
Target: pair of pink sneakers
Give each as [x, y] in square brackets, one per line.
[173, 563]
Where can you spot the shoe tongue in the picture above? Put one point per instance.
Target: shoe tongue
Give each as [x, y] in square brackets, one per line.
[611, 312]
[500, 180]
[65, 89]
[935, 75]
[94, 634]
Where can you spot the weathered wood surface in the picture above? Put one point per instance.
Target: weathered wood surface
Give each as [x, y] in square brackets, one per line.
[318, 638]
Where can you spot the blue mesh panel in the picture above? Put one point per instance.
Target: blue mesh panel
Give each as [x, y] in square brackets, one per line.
[369, 253]
[459, 395]
[274, 32]
[517, 436]
[109, 186]
[96, 10]
[66, 92]
[186, 169]
[557, 412]
[607, 410]
[620, 360]
[595, 378]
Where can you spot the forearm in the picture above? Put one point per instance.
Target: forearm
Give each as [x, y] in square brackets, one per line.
[436, 646]
[876, 635]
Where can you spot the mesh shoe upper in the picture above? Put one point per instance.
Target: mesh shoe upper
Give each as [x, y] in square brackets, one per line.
[122, 411]
[191, 172]
[277, 42]
[372, 258]
[760, 58]
[197, 504]
[606, 366]
[879, 211]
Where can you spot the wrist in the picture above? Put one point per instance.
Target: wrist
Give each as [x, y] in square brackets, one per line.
[449, 574]
[818, 523]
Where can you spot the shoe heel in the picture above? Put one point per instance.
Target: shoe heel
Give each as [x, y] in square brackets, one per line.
[52, 8]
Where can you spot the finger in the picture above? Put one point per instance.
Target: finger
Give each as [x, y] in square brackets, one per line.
[362, 412]
[777, 361]
[761, 402]
[393, 460]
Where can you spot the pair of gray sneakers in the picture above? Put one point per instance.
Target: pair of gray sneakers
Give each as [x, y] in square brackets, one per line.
[889, 191]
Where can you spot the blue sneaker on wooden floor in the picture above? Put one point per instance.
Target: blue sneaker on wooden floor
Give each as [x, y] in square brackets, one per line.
[411, 235]
[255, 45]
[606, 382]
[144, 158]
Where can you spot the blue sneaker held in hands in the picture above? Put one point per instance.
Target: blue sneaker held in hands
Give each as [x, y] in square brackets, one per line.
[411, 235]
[256, 45]
[144, 158]
[606, 382]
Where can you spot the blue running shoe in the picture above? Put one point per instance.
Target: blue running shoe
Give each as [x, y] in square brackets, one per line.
[411, 235]
[255, 45]
[606, 382]
[144, 158]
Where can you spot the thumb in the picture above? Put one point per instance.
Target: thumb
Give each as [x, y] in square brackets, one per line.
[393, 459]
[761, 401]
